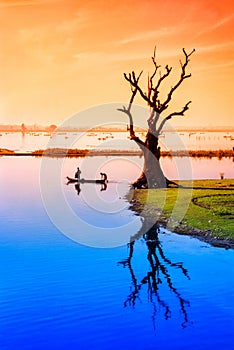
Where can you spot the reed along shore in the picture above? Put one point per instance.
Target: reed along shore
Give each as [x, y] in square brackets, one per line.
[63, 152]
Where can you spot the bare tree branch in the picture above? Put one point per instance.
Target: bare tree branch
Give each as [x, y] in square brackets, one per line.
[154, 123]
[156, 91]
[133, 137]
[185, 108]
[150, 87]
[131, 78]
[151, 117]
[182, 78]
[128, 112]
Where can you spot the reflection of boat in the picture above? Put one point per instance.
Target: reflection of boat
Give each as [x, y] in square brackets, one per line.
[72, 180]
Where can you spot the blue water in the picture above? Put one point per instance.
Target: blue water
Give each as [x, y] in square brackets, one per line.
[56, 293]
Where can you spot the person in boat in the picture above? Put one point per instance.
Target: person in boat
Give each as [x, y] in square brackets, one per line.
[103, 176]
[77, 174]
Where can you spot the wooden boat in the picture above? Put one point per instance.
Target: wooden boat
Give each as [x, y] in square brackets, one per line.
[82, 181]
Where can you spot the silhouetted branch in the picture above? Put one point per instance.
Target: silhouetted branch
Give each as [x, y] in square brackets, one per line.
[152, 122]
[182, 78]
[173, 114]
[131, 78]
[128, 112]
[150, 87]
[155, 100]
[151, 119]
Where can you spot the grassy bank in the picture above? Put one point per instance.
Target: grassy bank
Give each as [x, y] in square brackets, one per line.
[199, 208]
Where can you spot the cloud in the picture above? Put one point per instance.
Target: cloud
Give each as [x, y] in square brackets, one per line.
[153, 34]
[128, 55]
[13, 3]
[220, 23]
[215, 47]
[209, 66]
[60, 34]
[224, 48]
[108, 57]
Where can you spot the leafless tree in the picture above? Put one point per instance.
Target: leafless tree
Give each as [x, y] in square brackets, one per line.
[152, 175]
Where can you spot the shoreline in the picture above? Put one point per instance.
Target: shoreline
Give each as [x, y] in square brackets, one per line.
[203, 235]
[63, 152]
[209, 224]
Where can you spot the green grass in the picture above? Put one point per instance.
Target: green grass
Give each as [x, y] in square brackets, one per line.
[204, 205]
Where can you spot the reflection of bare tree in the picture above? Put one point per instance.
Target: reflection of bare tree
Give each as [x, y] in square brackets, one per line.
[157, 273]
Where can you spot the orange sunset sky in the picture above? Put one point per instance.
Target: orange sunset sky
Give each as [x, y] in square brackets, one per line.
[59, 57]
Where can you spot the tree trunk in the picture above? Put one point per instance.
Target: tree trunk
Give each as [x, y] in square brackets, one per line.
[152, 175]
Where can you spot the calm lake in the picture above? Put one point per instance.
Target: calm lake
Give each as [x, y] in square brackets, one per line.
[80, 285]
[30, 141]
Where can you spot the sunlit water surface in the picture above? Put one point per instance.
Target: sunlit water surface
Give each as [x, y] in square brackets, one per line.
[56, 293]
[30, 141]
